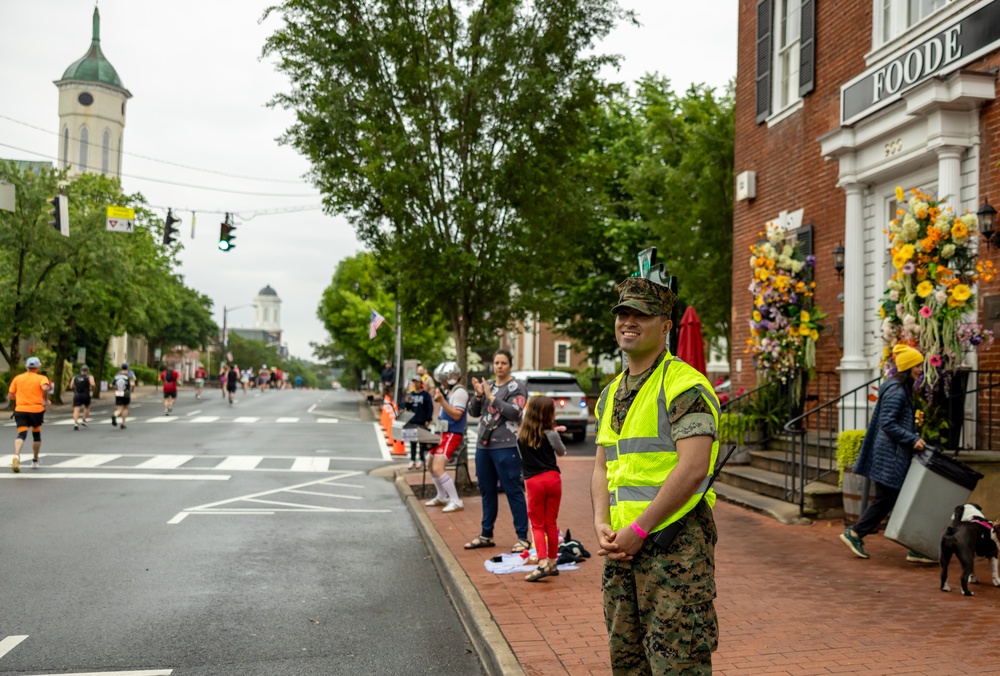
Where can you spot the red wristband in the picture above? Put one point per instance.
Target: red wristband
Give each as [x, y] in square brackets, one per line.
[638, 531]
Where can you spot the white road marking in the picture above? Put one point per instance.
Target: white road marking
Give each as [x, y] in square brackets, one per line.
[188, 415]
[227, 507]
[159, 419]
[245, 419]
[145, 672]
[24, 476]
[63, 422]
[327, 495]
[312, 408]
[205, 419]
[10, 643]
[327, 420]
[287, 420]
[164, 462]
[311, 465]
[240, 462]
[380, 441]
[94, 460]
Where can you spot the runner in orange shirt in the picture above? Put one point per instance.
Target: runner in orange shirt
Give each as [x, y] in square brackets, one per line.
[29, 391]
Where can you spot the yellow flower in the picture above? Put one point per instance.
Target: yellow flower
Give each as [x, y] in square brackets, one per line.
[898, 261]
[954, 302]
[906, 252]
[756, 316]
[804, 330]
[924, 289]
[959, 231]
[804, 317]
[961, 292]
[814, 334]
[899, 194]
[881, 312]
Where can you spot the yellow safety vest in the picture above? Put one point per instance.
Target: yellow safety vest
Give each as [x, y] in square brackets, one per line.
[642, 455]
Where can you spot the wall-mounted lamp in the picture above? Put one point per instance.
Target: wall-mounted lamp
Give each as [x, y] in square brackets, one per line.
[838, 260]
[986, 216]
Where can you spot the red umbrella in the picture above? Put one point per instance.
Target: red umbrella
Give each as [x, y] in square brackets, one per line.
[690, 345]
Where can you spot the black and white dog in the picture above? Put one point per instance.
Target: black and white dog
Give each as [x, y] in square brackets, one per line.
[969, 535]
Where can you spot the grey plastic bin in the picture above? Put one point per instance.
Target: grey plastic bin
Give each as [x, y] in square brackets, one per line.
[935, 484]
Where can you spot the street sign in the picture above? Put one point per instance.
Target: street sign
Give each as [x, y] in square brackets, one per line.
[121, 219]
[81, 355]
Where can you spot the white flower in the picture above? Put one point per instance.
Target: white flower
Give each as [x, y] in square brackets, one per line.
[947, 251]
[787, 251]
[943, 226]
[900, 310]
[940, 296]
[909, 321]
[895, 285]
[970, 221]
[894, 296]
[919, 247]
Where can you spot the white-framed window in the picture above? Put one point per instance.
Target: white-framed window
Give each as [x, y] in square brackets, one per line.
[891, 18]
[786, 57]
[562, 353]
[787, 31]
[84, 148]
[106, 152]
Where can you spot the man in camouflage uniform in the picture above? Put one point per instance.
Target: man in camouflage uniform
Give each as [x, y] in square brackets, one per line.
[658, 603]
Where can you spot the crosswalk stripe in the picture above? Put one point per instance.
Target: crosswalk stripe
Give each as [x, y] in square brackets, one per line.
[245, 419]
[95, 460]
[205, 419]
[326, 420]
[64, 422]
[164, 462]
[159, 419]
[311, 465]
[240, 462]
[287, 420]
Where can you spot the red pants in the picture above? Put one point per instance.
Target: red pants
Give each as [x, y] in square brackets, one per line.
[544, 495]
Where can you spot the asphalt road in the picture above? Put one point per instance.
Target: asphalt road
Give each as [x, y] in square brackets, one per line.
[219, 541]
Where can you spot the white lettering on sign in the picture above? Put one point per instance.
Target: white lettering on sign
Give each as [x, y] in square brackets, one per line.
[918, 63]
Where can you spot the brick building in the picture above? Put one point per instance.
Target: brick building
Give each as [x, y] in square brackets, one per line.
[837, 103]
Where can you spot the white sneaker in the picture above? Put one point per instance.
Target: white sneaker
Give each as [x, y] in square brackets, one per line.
[412, 465]
[35, 464]
[436, 502]
[419, 465]
[454, 507]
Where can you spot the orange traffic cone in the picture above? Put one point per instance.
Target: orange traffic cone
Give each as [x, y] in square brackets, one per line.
[398, 448]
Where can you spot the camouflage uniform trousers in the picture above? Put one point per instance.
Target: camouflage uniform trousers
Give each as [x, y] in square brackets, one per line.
[659, 607]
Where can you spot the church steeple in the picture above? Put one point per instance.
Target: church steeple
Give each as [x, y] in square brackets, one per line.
[94, 66]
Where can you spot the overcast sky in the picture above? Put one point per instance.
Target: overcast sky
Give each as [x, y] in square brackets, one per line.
[199, 93]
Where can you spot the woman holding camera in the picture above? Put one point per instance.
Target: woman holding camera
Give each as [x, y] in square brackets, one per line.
[500, 403]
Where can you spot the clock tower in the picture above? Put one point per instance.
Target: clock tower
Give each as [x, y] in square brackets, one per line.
[92, 113]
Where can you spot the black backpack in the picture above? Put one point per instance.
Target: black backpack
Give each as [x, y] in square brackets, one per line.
[169, 377]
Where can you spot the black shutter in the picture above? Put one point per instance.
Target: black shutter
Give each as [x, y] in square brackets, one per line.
[803, 240]
[763, 59]
[807, 48]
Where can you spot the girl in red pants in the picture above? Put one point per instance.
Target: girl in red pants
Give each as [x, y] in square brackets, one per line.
[538, 443]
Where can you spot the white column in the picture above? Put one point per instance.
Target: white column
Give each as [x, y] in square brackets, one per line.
[853, 365]
[950, 175]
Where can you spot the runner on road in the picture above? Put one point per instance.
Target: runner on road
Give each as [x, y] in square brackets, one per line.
[169, 378]
[199, 380]
[232, 379]
[123, 384]
[223, 372]
[83, 387]
[30, 392]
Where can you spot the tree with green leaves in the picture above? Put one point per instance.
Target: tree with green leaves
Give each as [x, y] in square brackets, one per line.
[446, 133]
[359, 285]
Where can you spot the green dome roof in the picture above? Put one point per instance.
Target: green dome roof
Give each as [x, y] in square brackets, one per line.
[94, 66]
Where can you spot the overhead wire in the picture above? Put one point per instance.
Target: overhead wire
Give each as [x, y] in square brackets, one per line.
[166, 182]
[154, 159]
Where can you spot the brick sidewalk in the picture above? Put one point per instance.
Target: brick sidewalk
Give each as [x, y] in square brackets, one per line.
[792, 599]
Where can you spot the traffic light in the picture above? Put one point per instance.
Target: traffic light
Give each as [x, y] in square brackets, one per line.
[227, 234]
[60, 214]
[169, 228]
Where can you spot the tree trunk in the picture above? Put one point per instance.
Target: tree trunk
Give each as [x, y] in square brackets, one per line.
[62, 347]
[102, 363]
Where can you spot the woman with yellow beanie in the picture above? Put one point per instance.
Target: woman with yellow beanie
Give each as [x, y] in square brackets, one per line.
[890, 440]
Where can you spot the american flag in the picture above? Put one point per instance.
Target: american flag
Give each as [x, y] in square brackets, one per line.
[376, 321]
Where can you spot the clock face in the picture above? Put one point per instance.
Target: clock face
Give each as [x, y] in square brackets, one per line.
[85, 99]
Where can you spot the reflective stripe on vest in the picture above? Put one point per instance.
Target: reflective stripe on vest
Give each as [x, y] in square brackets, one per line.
[635, 473]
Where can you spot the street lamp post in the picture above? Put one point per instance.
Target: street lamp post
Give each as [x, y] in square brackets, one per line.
[225, 321]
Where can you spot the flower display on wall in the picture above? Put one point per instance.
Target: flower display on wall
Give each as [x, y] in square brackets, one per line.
[784, 326]
[929, 302]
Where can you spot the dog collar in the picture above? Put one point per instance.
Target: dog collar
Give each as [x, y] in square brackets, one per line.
[983, 523]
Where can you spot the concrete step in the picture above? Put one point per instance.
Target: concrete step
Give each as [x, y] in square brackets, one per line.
[821, 499]
[779, 510]
[774, 461]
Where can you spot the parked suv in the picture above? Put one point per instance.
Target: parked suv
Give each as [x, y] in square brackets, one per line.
[562, 388]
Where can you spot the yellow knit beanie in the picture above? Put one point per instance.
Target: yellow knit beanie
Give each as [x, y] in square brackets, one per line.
[906, 357]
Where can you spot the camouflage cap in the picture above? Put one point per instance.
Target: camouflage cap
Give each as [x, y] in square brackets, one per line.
[645, 296]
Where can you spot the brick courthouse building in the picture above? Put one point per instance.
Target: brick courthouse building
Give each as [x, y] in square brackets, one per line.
[837, 103]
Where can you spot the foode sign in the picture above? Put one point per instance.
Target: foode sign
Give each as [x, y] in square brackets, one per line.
[966, 39]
